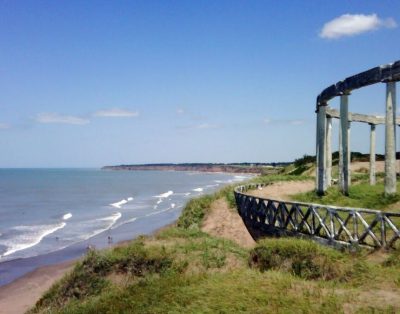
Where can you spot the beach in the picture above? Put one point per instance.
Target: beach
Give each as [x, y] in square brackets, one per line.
[140, 207]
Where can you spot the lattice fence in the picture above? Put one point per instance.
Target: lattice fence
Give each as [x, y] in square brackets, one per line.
[351, 226]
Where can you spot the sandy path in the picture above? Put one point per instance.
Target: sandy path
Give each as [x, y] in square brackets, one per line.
[225, 222]
[283, 190]
[20, 295]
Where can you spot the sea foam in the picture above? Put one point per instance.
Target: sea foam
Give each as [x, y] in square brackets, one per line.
[122, 202]
[67, 216]
[29, 236]
[165, 195]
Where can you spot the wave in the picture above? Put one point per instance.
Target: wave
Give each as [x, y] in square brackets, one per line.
[212, 185]
[165, 195]
[239, 178]
[198, 190]
[29, 236]
[122, 202]
[111, 221]
[113, 218]
[67, 216]
[124, 222]
[157, 212]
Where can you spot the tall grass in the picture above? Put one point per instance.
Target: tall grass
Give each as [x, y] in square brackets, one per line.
[360, 195]
[184, 270]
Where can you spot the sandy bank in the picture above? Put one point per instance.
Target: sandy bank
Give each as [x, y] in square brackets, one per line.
[22, 294]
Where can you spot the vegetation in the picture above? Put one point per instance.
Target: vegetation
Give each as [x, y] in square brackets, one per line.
[360, 195]
[306, 259]
[184, 270]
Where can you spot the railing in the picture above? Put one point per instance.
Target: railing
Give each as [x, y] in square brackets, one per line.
[330, 224]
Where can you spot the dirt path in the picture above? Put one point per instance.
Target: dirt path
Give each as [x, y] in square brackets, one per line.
[283, 190]
[225, 222]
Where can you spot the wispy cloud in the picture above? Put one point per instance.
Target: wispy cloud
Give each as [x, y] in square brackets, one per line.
[290, 121]
[354, 24]
[49, 117]
[180, 111]
[201, 126]
[4, 126]
[116, 113]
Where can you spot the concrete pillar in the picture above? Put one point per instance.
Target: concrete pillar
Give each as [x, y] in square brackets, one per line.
[349, 154]
[372, 157]
[344, 127]
[321, 188]
[340, 165]
[390, 139]
[328, 151]
[316, 152]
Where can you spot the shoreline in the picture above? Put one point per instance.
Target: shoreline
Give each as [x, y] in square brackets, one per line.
[21, 294]
[25, 280]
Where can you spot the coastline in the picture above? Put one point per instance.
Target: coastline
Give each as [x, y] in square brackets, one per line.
[21, 294]
[23, 281]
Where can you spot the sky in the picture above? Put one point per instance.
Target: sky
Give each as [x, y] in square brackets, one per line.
[94, 83]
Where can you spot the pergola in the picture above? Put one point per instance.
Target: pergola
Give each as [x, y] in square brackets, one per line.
[388, 74]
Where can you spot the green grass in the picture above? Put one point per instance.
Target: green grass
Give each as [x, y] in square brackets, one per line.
[307, 259]
[360, 195]
[184, 270]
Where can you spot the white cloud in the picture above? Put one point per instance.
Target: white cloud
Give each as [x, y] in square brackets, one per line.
[4, 126]
[206, 126]
[116, 113]
[48, 117]
[354, 24]
[180, 111]
[291, 122]
[201, 126]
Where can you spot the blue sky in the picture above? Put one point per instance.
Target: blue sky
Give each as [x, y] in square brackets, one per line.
[92, 83]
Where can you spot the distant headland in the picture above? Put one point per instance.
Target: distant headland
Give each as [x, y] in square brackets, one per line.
[246, 167]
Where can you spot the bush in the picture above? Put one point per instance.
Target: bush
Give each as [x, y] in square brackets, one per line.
[89, 276]
[305, 259]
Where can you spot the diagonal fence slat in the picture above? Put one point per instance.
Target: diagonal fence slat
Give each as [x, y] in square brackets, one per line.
[351, 226]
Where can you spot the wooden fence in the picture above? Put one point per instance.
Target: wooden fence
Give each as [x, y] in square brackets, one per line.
[331, 224]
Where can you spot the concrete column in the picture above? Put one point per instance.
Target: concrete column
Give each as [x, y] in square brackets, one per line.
[340, 165]
[390, 139]
[321, 188]
[316, 152]
[328, 151]
[344, 127]
[349, 154]
[372, 157]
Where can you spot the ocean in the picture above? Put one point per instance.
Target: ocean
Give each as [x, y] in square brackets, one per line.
[52, 215]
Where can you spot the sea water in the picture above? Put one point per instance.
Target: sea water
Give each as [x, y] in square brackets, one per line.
[50, 215]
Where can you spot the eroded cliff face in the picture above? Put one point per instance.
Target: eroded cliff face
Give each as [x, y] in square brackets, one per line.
[196, 167]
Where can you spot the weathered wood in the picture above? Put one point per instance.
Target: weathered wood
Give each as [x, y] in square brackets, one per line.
[331, 223]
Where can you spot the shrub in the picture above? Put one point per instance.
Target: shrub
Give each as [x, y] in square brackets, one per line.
[305, 259]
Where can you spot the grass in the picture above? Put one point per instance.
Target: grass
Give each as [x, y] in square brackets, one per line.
[306, 259]
[184, 270]
[360, 195]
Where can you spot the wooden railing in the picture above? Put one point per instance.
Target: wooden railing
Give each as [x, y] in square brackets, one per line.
[331, 224]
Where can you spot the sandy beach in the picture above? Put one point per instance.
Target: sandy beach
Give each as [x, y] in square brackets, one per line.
[20, 295]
